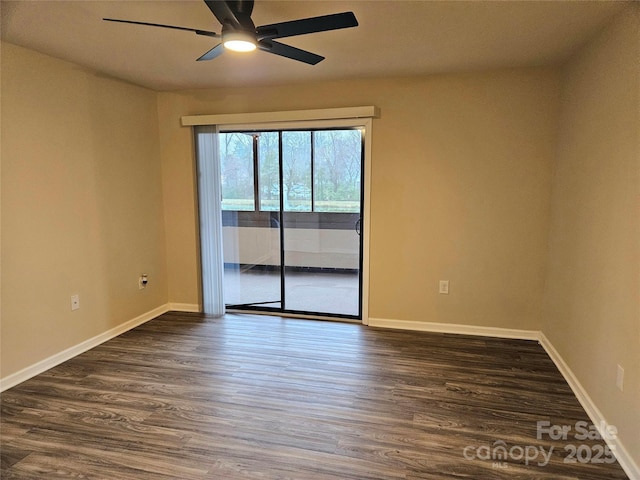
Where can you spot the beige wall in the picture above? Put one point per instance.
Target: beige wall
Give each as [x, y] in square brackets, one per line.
[82, 208]
[592, 300]
[461, 171]
[180, 200]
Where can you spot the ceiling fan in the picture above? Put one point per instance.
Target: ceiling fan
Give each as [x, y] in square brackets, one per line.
[240, 34]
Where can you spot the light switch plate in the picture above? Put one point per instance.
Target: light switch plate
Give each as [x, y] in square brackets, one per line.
[620, 378]
[75, 302]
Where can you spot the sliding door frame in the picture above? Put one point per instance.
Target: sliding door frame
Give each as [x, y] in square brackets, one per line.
[366, 124]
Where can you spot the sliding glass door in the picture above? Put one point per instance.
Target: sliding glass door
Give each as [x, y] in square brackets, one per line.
[292, 219]
[251, 227]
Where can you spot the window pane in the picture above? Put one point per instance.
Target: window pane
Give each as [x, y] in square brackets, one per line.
[337, 175]
[296, 169]
[269, 173]
[236, 168]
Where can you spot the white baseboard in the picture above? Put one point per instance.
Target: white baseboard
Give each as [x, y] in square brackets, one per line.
[625, 460]
[185, 307]
[454, 328]
[50, 362]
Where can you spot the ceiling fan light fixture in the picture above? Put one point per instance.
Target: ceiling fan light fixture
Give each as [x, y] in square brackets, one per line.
[239, 42]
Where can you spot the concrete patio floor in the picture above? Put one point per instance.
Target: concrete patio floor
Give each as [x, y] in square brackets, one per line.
[313, 292]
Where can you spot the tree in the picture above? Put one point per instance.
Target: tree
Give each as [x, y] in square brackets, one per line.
[296, 169]
[236, 165]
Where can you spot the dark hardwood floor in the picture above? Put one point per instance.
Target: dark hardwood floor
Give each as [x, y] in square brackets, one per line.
[253, 397]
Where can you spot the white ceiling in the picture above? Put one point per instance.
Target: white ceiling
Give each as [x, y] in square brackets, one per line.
[395, 38]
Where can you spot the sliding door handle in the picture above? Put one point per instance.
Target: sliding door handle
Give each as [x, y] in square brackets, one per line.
[359, 226]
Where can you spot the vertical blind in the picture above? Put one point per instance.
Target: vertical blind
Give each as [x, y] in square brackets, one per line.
[210, 218]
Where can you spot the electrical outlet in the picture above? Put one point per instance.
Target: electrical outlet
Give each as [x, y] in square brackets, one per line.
[143, 280]
[75, 302]
[620, 378]
[444, 287]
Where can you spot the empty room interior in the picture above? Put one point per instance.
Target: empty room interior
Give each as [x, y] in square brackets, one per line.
[485, 236]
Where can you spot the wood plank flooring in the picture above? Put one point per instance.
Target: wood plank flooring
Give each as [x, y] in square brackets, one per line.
[254, 397]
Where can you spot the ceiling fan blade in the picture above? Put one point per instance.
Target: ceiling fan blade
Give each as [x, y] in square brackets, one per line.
[195, 30]
[289, 52]
[307, 25]
[233, 13]
[213, 53]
